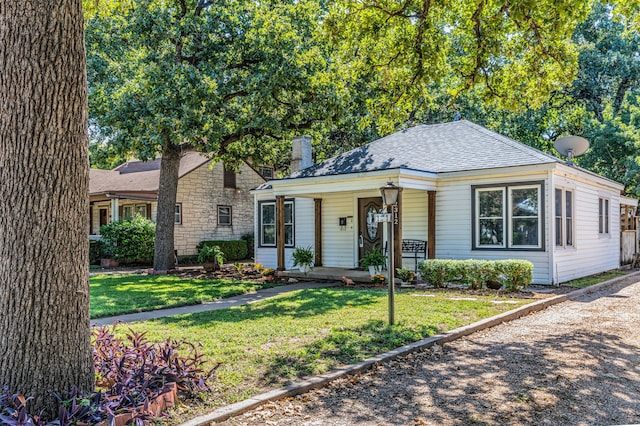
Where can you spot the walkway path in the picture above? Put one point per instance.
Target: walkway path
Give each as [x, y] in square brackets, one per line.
[575, 363]
[228, 302]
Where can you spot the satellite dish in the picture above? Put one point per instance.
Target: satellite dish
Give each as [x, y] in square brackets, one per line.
[571, 147]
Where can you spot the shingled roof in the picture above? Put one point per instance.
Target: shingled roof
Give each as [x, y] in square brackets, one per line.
[138, 176]
[437, 148]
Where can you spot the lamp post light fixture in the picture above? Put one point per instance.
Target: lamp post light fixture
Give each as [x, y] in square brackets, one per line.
[390, 194]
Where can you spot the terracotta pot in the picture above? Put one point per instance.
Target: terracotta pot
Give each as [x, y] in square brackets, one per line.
[108, 263]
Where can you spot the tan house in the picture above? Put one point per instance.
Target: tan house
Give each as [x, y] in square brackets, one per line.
[212, 203]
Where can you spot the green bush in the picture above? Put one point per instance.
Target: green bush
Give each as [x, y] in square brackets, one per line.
[96, 251]
[129, 241]
[250, 244]
[516, 274]
[438, 272]
[233, 249]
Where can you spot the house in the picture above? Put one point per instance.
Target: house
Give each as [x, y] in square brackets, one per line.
[467, 191]
[213, 203]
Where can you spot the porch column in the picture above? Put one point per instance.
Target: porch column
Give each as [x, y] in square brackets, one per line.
[115, 207]
[280, 231]
[318, 231]
[397, 232]
[431, 224]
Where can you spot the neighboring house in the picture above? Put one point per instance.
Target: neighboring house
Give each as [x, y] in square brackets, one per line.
[468, 191]
[212, 203]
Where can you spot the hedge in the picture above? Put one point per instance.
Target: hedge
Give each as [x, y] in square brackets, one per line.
[96, 252]
[514, 275]
[233, 249]
[129, 241]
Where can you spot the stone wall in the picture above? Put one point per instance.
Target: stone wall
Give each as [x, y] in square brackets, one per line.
[200, 193]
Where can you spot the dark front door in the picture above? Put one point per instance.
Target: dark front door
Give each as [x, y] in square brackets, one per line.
[369, 232]
[103, 217]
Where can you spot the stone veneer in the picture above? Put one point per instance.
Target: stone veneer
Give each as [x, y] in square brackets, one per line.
[201, 192]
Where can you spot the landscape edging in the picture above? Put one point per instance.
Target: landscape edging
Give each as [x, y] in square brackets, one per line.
[321, 380]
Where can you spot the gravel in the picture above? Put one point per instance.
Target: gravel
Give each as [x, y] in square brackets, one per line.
[576, 363]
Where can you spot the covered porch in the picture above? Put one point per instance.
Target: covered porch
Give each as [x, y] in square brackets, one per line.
[336, 218]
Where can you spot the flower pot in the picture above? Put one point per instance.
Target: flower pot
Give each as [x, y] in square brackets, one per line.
[209, 266]
[305, 268]
[374, 270]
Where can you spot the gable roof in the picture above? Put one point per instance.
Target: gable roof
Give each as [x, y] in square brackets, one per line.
[138, 176]
[437, 148]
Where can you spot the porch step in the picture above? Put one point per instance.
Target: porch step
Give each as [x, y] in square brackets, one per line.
[328, 274]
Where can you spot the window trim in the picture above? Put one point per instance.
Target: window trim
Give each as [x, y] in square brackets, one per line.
[507, 216]
[604, 216]
[292, 224]
[563, 218]
[230, 215]
[179, 212]
[132, 213]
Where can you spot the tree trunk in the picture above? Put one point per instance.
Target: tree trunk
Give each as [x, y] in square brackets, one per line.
[164, 256]
[44, 225]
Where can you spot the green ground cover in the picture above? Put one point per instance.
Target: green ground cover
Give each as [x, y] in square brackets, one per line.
[118, 294]
[595, 279]
[273, 342]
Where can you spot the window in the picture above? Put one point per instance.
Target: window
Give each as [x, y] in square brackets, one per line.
[229, 178]
[127, 212]
[141, 209]
[224, 215]
[266, 172]
[603, 216]
[178, 214]
[564, 217]
[267, 212]
[508, 216]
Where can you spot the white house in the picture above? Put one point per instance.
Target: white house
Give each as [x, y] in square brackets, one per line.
[468, 191]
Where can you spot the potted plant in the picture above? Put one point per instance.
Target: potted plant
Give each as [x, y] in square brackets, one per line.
[378, 279]
[303, 258]
[405, 274]
[211, 257]
[268, 274]
[375, 260]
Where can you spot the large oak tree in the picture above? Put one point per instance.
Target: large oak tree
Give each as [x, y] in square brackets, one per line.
[44, 275]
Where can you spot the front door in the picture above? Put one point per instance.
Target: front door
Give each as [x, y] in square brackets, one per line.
[369, 232]
[103, 217]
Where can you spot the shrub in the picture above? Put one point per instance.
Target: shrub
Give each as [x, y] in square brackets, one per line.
[211, 254]
[475, 273]
[233, 249]
[130, 240]
[130, 372]
[405, 274]
[250, 244]
[516, 274]
[96, 251]
[438, 272]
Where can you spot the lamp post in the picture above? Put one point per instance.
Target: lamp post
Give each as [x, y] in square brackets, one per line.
[390, 194]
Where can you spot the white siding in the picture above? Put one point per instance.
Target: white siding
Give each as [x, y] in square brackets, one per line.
[338, 243]
[454, 230]
[592, 252]
[414, 219]
[304, 218]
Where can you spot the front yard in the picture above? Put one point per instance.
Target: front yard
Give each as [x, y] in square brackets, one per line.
[119, 294]
[274, 342]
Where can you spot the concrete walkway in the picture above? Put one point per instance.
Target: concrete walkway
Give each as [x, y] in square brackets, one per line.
[243, 299]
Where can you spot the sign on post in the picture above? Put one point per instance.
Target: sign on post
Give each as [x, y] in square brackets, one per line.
[382, 217]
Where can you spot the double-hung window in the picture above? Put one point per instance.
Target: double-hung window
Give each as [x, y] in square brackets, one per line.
[224, 215]
[508, 216]
[267, 231]
[603, 216]
[564, 217]
[127, 212]
[177, 217]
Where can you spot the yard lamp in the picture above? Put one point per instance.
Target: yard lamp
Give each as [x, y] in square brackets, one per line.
[390, 194]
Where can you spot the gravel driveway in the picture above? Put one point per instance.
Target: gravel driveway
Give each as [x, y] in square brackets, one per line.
[576, 363]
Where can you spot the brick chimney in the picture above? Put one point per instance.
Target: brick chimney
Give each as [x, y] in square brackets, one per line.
[301, 155]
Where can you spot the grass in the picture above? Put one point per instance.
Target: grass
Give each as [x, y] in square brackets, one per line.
[595, 279]
[118, 294]
[274, 342]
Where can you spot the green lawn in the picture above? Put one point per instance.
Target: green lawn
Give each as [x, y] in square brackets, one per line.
[117, 294]
[271, 343]
[595, 279]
